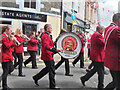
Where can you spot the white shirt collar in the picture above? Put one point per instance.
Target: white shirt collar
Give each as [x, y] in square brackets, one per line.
[6, 34]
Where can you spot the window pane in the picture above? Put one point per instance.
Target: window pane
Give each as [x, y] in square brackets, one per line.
[26, 3]
[33, 4]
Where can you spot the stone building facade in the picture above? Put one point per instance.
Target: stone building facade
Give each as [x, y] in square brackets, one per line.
[31, 15]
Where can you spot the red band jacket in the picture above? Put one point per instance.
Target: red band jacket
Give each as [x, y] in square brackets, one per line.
[6, 48]
[19, 49]
[112, 51]
[32, 44]
[97, 47]
[46, 43]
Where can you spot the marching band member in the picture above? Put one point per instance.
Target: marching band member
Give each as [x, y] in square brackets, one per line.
[97, 57]
[112, 52]
[19, 50]
[81, 55]
[47, 57]
[67, 66]
[32, 48]
[7, 57]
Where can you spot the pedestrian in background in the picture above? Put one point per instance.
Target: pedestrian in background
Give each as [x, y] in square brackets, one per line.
[97, 57]
[112, 51]
[40, 36]
[38, 52]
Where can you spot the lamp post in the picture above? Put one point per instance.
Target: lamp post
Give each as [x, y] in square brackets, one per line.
[61, 10]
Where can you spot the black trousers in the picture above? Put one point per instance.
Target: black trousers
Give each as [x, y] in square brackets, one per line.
[15, 57]
[99, 68]
[116, 81]
[20, 61]
[32, 59]
[81, 58]
[88, 52]
[67, 68]
[91, 65]
[7, 68]
[49, 68]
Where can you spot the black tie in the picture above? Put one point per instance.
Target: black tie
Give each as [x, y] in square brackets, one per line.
[51, 36]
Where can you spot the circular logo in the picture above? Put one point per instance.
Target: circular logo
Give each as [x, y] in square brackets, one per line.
[69, 43]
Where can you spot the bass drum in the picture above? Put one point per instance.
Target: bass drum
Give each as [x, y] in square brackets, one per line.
[70, 44]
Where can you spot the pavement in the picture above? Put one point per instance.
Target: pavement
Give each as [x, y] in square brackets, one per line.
[62, 81]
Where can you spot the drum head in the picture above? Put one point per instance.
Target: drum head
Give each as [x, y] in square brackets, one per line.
[70, 43]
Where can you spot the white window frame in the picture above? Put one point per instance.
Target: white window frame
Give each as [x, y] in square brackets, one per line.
[30, 5]
[30, 22]
[38, 5]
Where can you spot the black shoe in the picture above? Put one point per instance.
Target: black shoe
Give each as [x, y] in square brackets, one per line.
[24, 64]
[83, 67]
[35, 81]
[73, 64]
[83, 81]
[55, 87]
[21, 75]
[87, 70]
[68, 74]
[34, 67]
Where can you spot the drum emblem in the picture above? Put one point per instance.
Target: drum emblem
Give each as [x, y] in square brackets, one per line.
[69, 43]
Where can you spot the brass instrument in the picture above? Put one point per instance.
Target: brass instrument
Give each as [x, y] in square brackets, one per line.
[26, 37]
[17, 43]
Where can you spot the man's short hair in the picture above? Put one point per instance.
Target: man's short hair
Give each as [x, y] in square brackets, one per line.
[98, 28]
[46, 26]
[116, 17]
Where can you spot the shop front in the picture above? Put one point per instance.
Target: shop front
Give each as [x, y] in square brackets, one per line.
[27, 21]
[71, 27]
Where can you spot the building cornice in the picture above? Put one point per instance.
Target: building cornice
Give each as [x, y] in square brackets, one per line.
[14, 9]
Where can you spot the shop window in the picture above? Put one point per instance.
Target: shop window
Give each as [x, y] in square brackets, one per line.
[69, 27]
[5, 22]
[30, 4]
[27, 28]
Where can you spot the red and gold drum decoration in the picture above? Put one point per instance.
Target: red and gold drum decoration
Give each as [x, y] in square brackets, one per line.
[70, 43]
